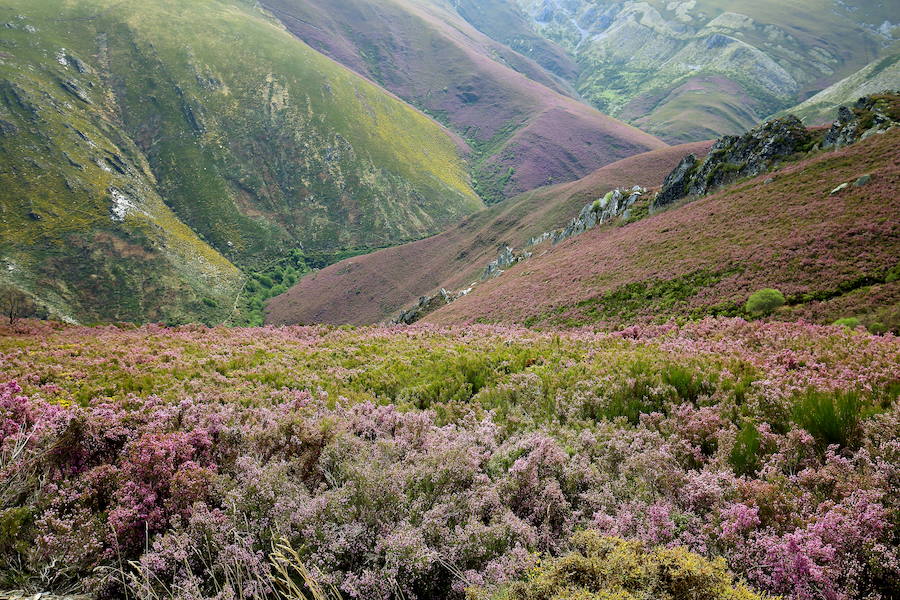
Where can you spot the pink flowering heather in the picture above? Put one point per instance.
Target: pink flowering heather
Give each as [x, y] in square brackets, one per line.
[422, 462]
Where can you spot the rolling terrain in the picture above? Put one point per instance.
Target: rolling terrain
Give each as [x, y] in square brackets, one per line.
[832, 252]
[696, 69]
[371, 288]
[150, 150]
[521, 120]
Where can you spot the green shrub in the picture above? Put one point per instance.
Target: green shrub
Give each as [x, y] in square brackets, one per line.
[849, 322]
[744, 457]
[635, 396]
[893, 274]
[878, 328]
[764, 302]
[830, 417]
[687, 384]
[608, 568]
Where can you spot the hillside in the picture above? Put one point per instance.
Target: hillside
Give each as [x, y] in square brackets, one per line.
[695, 69]
[878, 76]
[524, 127]
[371, 288]
[150, 149]
[833, 255]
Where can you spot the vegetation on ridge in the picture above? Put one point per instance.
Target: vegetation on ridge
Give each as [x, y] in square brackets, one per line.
[149, 147]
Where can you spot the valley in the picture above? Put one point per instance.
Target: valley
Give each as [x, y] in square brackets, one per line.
[449, 300]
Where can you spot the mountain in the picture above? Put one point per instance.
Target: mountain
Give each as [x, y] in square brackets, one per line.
[150, 150]
[695, 69]
[879, 75]
[821, 229]
[522, 121]
[372, 288]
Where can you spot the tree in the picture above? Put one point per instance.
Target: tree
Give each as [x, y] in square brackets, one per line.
[16, 304]
[764, 302]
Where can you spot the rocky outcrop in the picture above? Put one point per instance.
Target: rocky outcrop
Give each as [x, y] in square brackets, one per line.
[505, 259]
[868, 116]
[428, 304]
[677, 184]
[616, 203]
[735, 157]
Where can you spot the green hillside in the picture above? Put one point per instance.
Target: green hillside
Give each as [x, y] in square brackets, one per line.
[878, 76]
[148, 148]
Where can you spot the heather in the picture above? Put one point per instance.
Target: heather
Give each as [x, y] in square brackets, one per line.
[831, 255]
[717, 459]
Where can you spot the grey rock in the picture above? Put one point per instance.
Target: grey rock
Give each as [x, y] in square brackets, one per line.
[505, 259]
[862, 180]
[735, 157]
[867, 117]
[71, 86]
[426, 305]
[678, 182]
[839, 189]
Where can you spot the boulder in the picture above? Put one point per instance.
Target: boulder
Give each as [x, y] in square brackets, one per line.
[839, 189]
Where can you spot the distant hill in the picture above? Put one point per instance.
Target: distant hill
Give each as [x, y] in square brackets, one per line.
[372, 288]
[520, 119]
[694, 69]
[880, 75]
[148, 150]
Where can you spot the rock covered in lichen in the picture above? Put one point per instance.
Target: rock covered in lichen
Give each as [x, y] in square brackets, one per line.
[868, 116]
[734, 157]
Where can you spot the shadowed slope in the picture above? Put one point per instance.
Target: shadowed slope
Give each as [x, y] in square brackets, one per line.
[368, 289]
[830, 254]
[525, 130]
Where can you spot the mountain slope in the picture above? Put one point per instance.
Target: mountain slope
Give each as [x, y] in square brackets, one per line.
[371, 288]
[880, 75]
[148, 147]
[693, 69]
[525, 130]
[832, 254]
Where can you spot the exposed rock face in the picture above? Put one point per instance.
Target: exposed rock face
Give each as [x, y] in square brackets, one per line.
[614, 204]
[505, 259]
[678, 183]
[7, 128]
[428, 304]
[868, 116]
[735, 157]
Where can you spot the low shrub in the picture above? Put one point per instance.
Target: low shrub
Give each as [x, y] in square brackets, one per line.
[744, 456]
[609, 568]
[848, 322]
[830, 417]
[764, 302]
